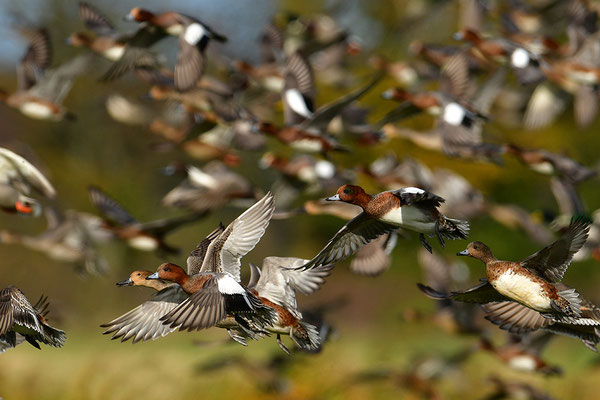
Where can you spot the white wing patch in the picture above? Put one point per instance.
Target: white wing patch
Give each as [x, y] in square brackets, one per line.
[228, 285]
[200, 178]
[412, 189]
[193, 33]
[520, 58]
[296, 101]
[454, 114]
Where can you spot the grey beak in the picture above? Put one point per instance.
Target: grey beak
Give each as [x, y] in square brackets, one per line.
[333, 198]
[153, 276]
[129, 17]
[388, 94]
[457, 36]
[465, 252]
[126, 282]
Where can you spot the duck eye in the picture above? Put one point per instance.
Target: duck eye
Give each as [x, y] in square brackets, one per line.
[475, 246]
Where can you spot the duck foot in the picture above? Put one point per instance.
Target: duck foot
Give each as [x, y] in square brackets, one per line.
[425, 244]
[283, 347]
[240, 339]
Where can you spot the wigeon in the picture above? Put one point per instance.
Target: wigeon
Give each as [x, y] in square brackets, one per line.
[40, 92]
[411, 208]
[209, 188]
[18, 179]
[275, 284]
[143, 322]
[531, 282]
[213, 276]
[148, 236]
[193, 40]
[298, 93]
[70, 237]
[523, 352]
[19, 319]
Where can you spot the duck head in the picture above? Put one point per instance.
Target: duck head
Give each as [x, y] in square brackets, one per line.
[351, 194]
[137, 278]
[139, 15]
[169, 272]
[477, 250]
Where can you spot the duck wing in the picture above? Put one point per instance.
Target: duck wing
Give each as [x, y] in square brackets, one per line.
[19, 167]
[109, 207]
[95, 21]
[37, 58]
[298, 91]
[410, 196]
[238, 239]
[514, 317]
[143, 322]
[374, 258]
[552, 261]
[356, 233]
[196, 257]
[481, 293]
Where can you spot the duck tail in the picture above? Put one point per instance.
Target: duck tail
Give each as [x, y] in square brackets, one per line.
[306, 336]
[569, 304]
[454, 228]
[53, 337]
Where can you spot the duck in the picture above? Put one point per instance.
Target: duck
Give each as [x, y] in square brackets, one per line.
[523, 352]
[40, 91]
[275, 284]
[411, 208]
[20, 321]
[209, 188]
[148, 236]
[194, 37]
[71, 237]
[213, 276]
[143, 322]
[18, 179]
[531, 282]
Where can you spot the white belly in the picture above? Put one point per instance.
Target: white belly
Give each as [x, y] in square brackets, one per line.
[410, 217]
[36, 110]
[114, 53]
[143, 243]
[175, 30]
[522, 290]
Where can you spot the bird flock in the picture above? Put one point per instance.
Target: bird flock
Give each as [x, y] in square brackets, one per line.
[503, 67]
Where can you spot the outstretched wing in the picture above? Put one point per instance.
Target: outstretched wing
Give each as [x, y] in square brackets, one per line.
[196, 257]
[481, 294]
[110, 207]
[552, 261]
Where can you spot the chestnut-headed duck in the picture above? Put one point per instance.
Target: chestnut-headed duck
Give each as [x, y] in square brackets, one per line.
[19, 319]
[209, 188]
[70, 237]
[148, 236]
[531, 282]
[411, 208]
[193, 40]
[213, 275]
[18, 179]
[143, 322]
[275, 284]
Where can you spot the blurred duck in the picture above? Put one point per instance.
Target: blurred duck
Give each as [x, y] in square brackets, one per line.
[209, 188]
[213, 277]
[531, 282]
[194, 37]
[40, 92]
[107, 42]
[148, 236]
[18, 178]
[505, 389]
[143, 322]
[20, 320]
[411, 208]
[523, 352]
[275, 284]
[71, 237]
[546, 162]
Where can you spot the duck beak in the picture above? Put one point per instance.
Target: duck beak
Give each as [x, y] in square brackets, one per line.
[129, 17]
[465, 252]
[388, 94]
[126, 282]
[333, 198]
[458, 36]
[153, 276]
